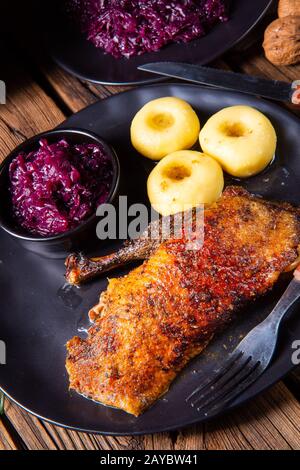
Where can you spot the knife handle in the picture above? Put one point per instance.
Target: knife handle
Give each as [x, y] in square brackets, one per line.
[295, 95]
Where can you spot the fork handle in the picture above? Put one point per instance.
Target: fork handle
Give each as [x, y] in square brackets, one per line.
[289, 297]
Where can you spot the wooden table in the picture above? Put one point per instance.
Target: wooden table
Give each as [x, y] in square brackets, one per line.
[40, 96]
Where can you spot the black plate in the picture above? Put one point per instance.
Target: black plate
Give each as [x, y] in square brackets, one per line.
[74, 53]
[38, 316]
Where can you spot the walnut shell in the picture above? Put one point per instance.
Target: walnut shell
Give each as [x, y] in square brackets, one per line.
[282, 41]
[288, 8]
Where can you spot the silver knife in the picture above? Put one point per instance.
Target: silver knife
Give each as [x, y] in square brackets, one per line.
[273, 89]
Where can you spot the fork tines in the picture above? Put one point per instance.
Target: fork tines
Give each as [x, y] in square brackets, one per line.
[229, 381]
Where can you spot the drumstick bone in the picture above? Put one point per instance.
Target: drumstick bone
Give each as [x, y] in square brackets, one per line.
[80, 268]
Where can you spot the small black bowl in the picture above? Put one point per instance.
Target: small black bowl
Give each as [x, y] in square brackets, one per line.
[59, 245]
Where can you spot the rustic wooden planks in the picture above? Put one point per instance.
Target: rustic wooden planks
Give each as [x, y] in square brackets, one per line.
[270, 422]
[6, 441]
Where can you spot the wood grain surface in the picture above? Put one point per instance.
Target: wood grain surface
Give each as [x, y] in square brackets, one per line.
[40, 96]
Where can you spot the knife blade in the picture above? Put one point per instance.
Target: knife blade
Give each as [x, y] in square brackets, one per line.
[272, 89]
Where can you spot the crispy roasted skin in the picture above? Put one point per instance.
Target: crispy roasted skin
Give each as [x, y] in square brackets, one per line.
[150, 323]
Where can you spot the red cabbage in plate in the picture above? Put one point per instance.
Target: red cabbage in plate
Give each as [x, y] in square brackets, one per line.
[124, 28]
[58, 186]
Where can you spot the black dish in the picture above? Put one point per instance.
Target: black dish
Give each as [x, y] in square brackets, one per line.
[56, 246]
[72, 51]
[46, 314]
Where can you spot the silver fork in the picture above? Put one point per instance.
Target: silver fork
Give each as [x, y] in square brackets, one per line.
[248, 361]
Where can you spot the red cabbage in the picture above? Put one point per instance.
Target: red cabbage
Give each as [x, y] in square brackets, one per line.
[124, 28]
[58, 186]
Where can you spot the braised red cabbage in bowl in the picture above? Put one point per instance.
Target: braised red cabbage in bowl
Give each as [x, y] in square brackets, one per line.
[56, 187]
[126, 28]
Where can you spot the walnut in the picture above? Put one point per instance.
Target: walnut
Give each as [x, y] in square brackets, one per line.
[282, 41]
[288, 8]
